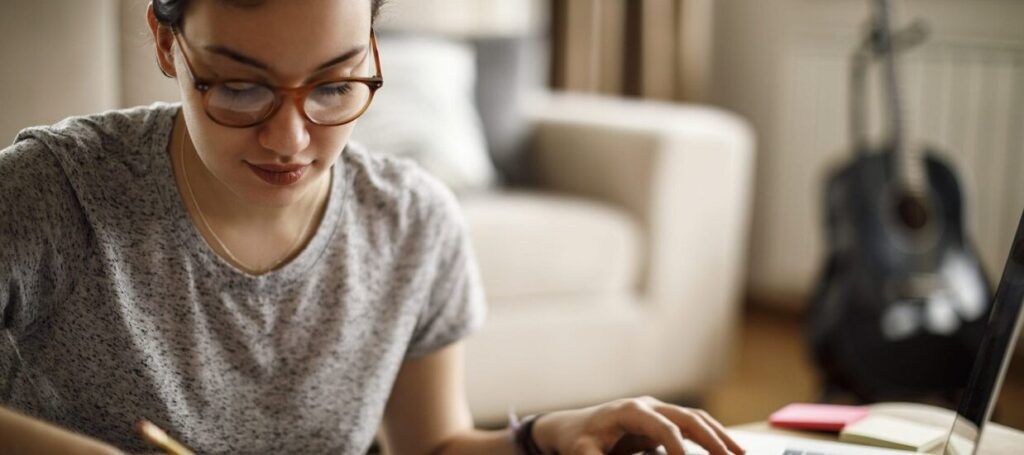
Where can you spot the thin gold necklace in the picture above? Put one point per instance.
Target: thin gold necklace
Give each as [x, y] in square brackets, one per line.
[223, 246]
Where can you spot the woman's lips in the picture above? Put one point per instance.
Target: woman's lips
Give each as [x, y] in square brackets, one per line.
[279, 174]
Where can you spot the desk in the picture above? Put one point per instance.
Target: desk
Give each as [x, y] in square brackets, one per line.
[995, 440]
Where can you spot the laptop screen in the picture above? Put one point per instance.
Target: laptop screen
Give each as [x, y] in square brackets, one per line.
[1004, 327]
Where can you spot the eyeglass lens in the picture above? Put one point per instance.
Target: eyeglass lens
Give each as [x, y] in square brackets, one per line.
[242, 103]
[336, 102]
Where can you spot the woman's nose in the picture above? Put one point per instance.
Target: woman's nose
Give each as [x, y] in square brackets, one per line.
[286, 131]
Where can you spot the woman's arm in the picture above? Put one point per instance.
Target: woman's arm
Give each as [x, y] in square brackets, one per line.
[25, 435]
[428, 413]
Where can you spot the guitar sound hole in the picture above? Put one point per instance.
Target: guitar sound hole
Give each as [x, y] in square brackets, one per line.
[912, 212]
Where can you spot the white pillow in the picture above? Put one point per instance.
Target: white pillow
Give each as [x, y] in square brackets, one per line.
[426, 111]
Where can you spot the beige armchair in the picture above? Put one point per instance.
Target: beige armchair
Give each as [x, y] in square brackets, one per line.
[621, 274]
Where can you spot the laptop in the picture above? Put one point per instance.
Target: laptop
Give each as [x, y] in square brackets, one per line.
[975, 410]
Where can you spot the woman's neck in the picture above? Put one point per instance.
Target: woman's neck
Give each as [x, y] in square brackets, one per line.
[217, 202]
[237, 224]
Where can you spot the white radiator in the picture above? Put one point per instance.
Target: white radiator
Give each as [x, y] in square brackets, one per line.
[963, 92]
[964, 98]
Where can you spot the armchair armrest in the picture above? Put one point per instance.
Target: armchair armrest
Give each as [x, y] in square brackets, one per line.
[684, 172]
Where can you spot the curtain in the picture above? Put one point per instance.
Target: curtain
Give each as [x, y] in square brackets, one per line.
[657, 49]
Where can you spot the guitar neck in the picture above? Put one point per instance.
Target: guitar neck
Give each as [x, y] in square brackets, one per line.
[909, 161]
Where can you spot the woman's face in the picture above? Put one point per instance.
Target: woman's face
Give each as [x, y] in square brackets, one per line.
[277, 42]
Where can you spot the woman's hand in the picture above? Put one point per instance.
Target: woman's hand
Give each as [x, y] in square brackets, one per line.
[628, 426]
[23, 434]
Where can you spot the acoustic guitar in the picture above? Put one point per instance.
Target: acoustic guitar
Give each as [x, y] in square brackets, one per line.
[901, 302]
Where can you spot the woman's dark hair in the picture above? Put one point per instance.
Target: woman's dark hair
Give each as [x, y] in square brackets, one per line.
[170, 12]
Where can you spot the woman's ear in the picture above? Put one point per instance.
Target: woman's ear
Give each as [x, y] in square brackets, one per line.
[164, 39]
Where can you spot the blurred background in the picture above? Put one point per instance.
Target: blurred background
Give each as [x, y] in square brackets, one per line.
[644, 180]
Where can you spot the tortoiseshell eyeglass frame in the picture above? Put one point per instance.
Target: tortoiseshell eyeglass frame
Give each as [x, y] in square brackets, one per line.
[297, 94]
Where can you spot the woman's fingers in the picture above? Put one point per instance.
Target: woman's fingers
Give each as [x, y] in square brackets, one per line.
[696, 428]
[720, 430]
[639, 418]
[643, 423]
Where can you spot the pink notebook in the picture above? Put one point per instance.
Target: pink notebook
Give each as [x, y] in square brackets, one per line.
[821, 417]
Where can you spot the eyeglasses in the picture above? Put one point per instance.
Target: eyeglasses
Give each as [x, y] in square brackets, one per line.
[240, 103]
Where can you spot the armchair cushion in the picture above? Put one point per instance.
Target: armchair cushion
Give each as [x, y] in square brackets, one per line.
[533, 245]
[426, 110]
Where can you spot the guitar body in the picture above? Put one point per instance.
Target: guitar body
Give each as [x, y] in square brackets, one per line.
[901, 306]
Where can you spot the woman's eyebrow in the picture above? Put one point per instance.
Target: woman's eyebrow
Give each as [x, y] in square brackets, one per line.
[246, 60]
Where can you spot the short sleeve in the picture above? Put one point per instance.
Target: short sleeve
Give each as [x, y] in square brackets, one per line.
[456, 305]
[42, 234]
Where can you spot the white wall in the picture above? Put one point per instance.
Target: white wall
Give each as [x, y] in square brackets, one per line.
[783, 64]
[59, 58]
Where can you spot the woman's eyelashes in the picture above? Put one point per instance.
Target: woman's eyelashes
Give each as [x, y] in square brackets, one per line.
[333, 89]
[242, 89]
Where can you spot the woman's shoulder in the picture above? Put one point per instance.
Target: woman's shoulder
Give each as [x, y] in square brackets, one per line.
[118, 124]
[38, 205]
[54, 169]
[397, 185]
[119, 135]
[32, 176]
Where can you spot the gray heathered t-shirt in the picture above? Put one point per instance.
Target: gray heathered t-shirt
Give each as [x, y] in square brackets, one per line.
[121, 311]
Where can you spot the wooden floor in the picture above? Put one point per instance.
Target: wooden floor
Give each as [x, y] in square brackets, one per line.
[772, 370]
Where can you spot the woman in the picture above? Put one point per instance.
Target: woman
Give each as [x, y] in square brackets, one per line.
[233, 270]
